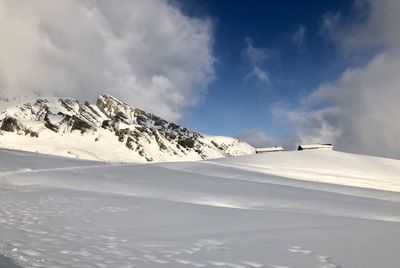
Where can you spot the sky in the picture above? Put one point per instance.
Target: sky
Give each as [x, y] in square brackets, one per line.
[268, 52]
[268, 72]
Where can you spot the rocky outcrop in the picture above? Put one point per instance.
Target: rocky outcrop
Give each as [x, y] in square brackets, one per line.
[11, 124]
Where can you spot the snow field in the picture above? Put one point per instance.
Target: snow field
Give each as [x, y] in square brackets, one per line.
[57, 212]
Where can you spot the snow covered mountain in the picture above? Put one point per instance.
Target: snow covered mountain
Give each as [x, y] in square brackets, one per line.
[109, 130]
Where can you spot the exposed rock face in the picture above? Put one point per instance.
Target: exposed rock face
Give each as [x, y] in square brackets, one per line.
[139, 133]
[11, 124]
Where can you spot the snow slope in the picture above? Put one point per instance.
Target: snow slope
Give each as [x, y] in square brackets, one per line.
[109, 130]
[268, 210]
[325, 166]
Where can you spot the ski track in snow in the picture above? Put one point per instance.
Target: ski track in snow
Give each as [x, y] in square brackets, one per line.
[187, 215]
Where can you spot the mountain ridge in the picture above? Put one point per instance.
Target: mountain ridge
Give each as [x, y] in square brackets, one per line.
[109, 130]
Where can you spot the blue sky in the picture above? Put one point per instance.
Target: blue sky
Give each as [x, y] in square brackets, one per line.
[236, 100]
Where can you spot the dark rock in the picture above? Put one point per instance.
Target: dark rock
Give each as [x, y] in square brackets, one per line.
[79, 124]
[51, 126]
[11, 124]
[106, 124]
[186, 142]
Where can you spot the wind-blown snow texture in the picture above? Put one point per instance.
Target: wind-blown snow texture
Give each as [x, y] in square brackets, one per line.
[239, 212]
[109, 130]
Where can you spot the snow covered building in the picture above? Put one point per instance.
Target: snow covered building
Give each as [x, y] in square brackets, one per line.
[328, 147]
[269, 149]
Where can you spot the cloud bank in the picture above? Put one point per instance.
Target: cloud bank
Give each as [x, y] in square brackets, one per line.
[146, 52]
[361, 109]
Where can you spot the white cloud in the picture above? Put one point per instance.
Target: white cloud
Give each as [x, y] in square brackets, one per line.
[146, 52]
[256, 58]
[254, 55]
[257, 138]
[330, 26]
[313, 126]
[299, 36]
[259, 74]
[374, 22]
[367, 104]
[361, 111]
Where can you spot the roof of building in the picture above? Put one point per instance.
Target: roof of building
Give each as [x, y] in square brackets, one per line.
[314, 146]
[270, 149]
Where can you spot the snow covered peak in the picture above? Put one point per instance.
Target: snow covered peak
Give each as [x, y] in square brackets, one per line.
[109, 130]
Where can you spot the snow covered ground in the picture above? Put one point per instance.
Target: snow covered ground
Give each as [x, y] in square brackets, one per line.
[292, 209]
